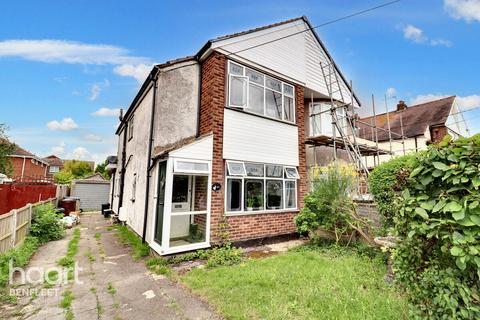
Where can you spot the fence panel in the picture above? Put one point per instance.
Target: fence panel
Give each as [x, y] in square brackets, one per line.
[15, 225]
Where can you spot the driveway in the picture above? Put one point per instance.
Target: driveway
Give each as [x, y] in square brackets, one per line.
[111, 284]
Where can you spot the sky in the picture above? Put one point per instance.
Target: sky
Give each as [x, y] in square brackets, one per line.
[67, 67]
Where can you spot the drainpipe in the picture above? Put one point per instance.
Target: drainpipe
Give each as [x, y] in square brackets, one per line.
[199, 96]
[149, 154]
[122, 173]
[23, 168]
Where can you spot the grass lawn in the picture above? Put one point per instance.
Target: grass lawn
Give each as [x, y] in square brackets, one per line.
[301, 284]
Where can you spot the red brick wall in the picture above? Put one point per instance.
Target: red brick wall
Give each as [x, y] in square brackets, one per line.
[31, 170]
[14, 196]
[242, 227]
[438, 133]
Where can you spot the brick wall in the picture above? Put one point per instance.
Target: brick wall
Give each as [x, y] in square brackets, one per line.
[32, 170]
[438, 134]
[242, 227]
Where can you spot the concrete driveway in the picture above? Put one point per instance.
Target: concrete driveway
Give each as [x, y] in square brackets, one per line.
[113, 286]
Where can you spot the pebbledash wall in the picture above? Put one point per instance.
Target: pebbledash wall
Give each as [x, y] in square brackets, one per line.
[245, 226]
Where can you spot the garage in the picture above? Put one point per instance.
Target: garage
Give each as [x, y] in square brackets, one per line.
[92, 191]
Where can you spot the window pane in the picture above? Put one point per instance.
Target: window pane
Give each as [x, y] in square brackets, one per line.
[180, 191]
[238, 91]
[254, 76]
[236, 168]
[253, 195]
[290, 194]
[288, 109]
[274, 194]
[273, 84]
[274, 171]
[288, 89]
[187, 229]
[291, 173]
[236, 69]
[234, 194]
[274, 104]
[255, 99]
[254, 169]
[200, 193]
[182, 166]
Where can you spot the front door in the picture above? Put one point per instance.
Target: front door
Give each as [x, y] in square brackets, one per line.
[162, 173]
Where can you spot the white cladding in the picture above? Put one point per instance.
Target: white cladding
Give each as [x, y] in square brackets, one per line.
[296, 57]
[198, 150]
[252, 138]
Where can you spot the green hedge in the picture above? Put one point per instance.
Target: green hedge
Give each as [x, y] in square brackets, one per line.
[437, 259]
[387, 180]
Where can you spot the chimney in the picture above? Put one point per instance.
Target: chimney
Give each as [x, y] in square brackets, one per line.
[401, 105]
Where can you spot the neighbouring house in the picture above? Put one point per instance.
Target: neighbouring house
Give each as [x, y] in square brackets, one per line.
[420, 125]
[93, 191]
[213, 146]
[55, 165]
[27, 166]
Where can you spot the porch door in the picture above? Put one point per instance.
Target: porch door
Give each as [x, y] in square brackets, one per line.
[181, 202]
[162, 173]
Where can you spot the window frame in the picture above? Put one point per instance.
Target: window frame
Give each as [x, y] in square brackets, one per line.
[244, 174]
[246, 108]
[130, 128]
[176, 170]
[264, 180]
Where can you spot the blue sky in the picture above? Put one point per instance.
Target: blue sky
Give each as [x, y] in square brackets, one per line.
[67, 67]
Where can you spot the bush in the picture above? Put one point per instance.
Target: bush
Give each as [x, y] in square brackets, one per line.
[19, 256]
[226, 255]
[46, 224]
[387, 180]
[329, 205]
[437, 259]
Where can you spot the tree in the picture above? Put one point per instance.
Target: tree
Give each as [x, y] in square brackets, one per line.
[6, 149]
[73, 169]
[101, 168]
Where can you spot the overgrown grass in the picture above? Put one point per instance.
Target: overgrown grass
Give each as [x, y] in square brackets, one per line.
[66, 304]
[19, 256]
[127, 236]
[72, 249]
[306, 283]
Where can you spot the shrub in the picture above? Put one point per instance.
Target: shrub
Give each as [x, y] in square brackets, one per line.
[387, 180]
[226, 255]
[46, 224]
[437, 259]
[329, 205]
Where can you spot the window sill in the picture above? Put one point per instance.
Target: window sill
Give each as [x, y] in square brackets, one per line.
[247, 213]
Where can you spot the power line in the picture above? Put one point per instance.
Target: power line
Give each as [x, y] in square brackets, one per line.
[315, 27]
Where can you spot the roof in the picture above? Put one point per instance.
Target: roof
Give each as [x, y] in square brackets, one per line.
[94, 178]
[20, 152]
[53, 160]
[207, 46]
[415, 119]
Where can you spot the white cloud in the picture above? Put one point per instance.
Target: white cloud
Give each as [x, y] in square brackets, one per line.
[463, 103]
[391, 92]
[417, 35]
[138, 71]
[66, 124]
[58, 150]
[93, 137]
[107, 112]
[469, 10]
[413, 33]
[94, 92]
[79, 153]
[62, 51]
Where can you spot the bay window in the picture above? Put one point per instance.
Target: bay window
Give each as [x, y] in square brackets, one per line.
[260, 187]
[257, 93]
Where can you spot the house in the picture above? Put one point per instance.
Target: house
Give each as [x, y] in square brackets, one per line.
[213, 145]
[55, 165]
[421, 124]
[27, 166]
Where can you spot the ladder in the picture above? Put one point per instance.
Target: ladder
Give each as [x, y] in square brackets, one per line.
[333, 85]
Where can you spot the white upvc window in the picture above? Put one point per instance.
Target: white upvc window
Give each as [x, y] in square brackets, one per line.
[257, 187]
[321, 119]
[258, 93]
[54, 169]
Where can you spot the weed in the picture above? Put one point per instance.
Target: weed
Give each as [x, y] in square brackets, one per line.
[129, 237]
[67, 300]
[111, 289]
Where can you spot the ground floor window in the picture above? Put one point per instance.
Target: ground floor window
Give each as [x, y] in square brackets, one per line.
[260, 187]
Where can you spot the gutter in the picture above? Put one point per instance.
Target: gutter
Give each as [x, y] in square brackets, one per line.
[149, 152]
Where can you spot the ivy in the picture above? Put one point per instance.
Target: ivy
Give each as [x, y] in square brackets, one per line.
[437, 259]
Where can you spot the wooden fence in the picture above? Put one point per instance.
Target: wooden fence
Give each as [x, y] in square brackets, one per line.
[14, 226]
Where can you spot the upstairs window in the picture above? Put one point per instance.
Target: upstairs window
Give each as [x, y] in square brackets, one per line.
[54, 169]
[257, 93]
[130, 128]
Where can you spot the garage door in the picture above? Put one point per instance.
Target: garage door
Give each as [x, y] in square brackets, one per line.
[92, 195]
